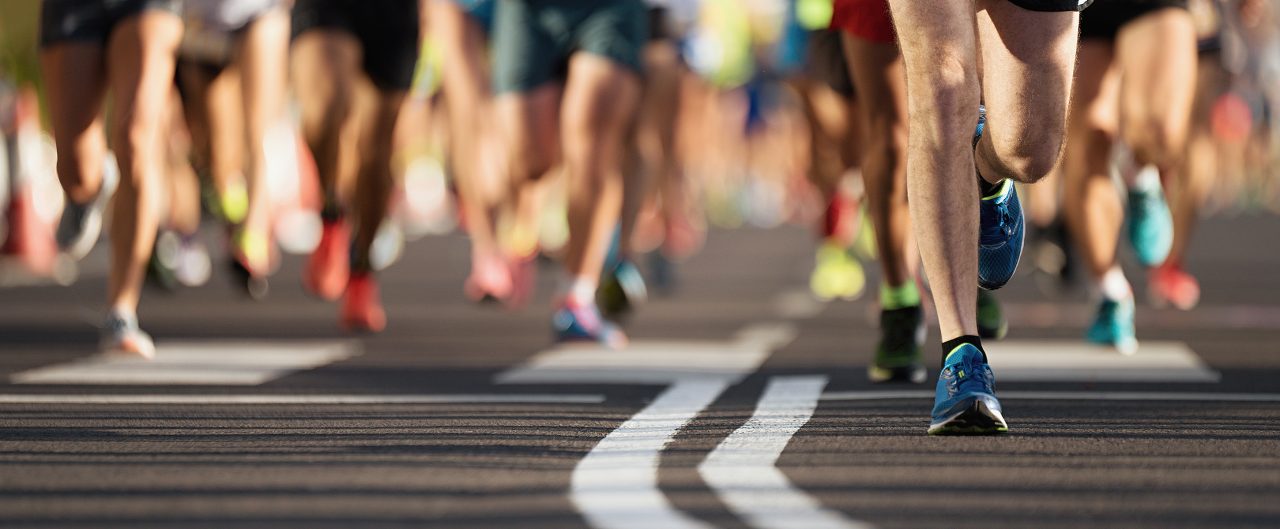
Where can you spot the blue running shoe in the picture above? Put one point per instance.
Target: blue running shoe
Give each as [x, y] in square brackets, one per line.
[1150, 221]
[1001, 227]
[965, 400]
[574, 322]
[1113, 326]
[999, 237]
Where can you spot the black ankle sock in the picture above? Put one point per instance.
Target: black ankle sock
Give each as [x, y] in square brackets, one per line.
[331, 212]
[950, 345]
[985, 188]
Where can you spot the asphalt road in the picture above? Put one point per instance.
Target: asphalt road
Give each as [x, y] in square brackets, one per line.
[743, 404]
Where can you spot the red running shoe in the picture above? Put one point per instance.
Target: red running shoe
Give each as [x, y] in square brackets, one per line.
[1171, 285]
[329, 267]
[362, 306]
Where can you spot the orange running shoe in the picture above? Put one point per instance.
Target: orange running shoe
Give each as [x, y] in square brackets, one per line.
[362, 306]
[329, 267]
[1170, 284]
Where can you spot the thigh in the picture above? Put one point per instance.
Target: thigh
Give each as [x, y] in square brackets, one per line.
[1028, 58]
[325, 64]
[75, 82]
[1095, 94]
[1156, 54]
[141, 58]
[530, 124]
[600, 99]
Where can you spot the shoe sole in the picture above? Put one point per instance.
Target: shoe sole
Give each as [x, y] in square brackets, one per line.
[979, 418]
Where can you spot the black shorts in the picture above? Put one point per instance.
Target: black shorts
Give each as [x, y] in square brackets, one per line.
[659, 24]
[825, 61]
[1103, 21]
[92, 20]
[1054, 5]
[387, 31]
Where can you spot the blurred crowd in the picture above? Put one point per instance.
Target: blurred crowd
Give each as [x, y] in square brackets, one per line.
[206, 135]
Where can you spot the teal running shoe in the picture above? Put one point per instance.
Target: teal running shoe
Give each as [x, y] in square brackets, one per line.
[621, 290]
[1113, 326]
[1001, 229]
[576, 323]
[902, 333]
[1150, 223]
[991, 321]
[965, 401]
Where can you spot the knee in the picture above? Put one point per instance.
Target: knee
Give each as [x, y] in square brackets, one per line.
[1156, 139]
[1030, 157]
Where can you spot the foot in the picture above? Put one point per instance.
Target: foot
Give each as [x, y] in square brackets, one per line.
[1172, 285]
[965, 401]
[622, 290]
[490, 279]
[991, 321]
[902, 333]
[328, 269]
[836, 274]
[1150, 221]
[581, 322]
[81, 224]
[1113, 326]
[121, 336]
[362, 306]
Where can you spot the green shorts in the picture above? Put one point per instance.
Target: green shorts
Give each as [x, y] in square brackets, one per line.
[533, 39]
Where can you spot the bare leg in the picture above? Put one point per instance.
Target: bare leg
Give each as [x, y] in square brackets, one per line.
[1156, 54]
[375, 181]
[599, 102]
[942, 101]
[878, 75]
[327, 106]
[1091, 205]
[262, 58]
[75, 80]
[140, 61]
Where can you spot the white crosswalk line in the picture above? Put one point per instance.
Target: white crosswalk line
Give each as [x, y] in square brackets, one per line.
[615, 486]
[196, 363]
[186, 399]
[1077, 361]
[742, 472]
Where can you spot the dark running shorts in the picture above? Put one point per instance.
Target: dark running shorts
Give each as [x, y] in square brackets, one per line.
[534, 39]
[387, 31]
[1054, 5]
[1104, 20]
[92, 20]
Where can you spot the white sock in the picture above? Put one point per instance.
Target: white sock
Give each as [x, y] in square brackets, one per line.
[580, 290]
[1147, 179]
[1114, 286]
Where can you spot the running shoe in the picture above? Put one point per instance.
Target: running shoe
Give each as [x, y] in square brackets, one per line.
[1001, 227]
[902, 334]
[362, 306]
[81, 224]
[1171, 285]
[1113, 326]
[121, 336]
[573, 322]
[1000, 236]
[622, 290]
[329, 266]
[965, 400]
[1150, 221]
[836, 274]
[490, 279]
[251, 261]
[991, 321]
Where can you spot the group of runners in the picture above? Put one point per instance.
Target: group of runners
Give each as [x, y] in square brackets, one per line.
[944, 109]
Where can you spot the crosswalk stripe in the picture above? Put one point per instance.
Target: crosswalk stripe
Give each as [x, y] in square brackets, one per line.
[742, 472]
[186, 399]
[196, 363]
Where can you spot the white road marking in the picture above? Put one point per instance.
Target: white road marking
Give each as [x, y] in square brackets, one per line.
[301, 399]
[1076, 361]
[742, 471]
[196, 363]
[615, 486]
[797, 304]
[1068, 395]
